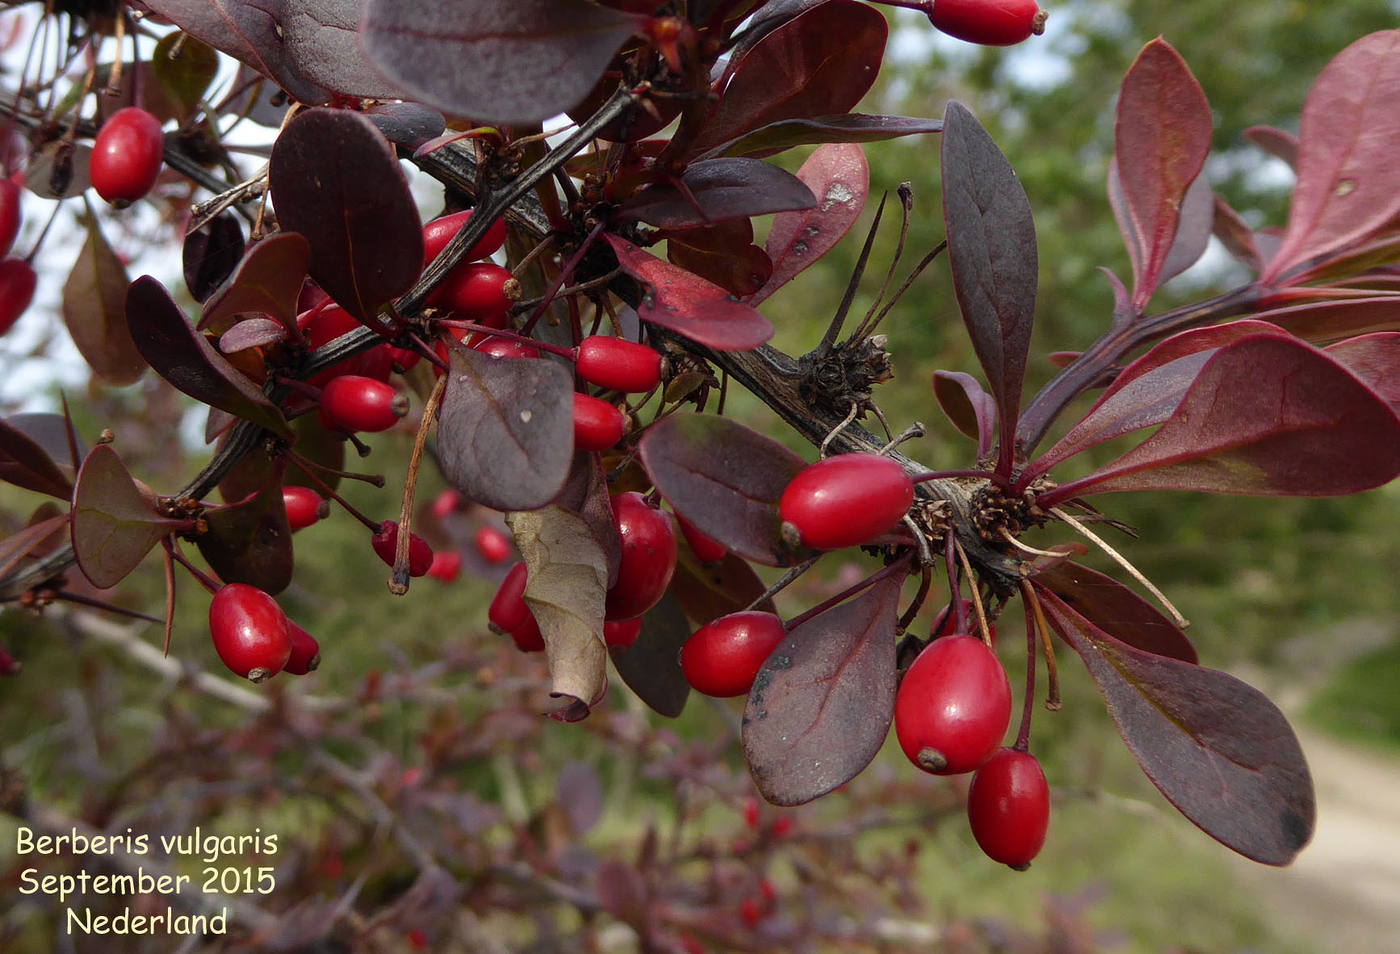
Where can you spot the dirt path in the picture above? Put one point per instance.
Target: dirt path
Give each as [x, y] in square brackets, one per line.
[1343, 892]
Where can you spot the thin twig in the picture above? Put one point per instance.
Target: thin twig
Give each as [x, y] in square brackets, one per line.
[1123, 562]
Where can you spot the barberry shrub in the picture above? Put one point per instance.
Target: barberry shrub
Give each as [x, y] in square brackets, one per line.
[1281, 386]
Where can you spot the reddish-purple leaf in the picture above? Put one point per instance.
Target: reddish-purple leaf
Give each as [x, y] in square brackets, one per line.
[506, 433]
[1236, 235]
[1267, 415]
[407, 124]
[1369, 256]
[651, 666]
[1323, 322]
[1375, 359]
[688, 305]
[971, 409]
[822, 704]
[94, 309]
[337, 181]
[309, 47]
[1219, 751]
[817, 64]
[55, 435]
[1276, 142]
[707, 592]
[267, 281]
[25, 463]
[1348, 167]
[725, 479]
[1116, 610]
[30, 540]
[722, 254]
[115, 522]
[183, 357]
[719, 189]
[503, 61]
[839, 177]
[1195, 219]
[252, 333]
[848, 127]
[1161, 140]
[250, 541]
[211, 253]
[992, 251]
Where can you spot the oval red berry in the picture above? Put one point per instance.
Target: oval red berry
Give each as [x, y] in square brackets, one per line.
[1008, 808]
[618, 365]
[249, 631]
[440, 231]
[304, 506]
[623, 634]
[306, 652]
[11, 214]
[846, 500]
[477, 291]
[648, 557]
[508, 611]
[127, 155]
[953, 706]
[988, 22]
[723, 658]
[705, 549]
[598, 425]
[494, 544]
[385, 544]
[17, 283]
[362, 404]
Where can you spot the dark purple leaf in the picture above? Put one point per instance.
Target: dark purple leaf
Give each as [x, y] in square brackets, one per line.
[651, 666]
[267, 281]
[1236, 235]
[1116, 610]
[53, 434]
[336, 180]
[992, 251]
[1266, 415]
[407, 124]
[29, 541]
[839, 177]
[25, 463]
[1276, 142]
[770, 15]
[822, 704]
[1220, 751]
[94, 309]
[722, 254]
[252, 333]
[817, 64]
[849, 127]
[505, 61]
[707, 592]
[250, 541]
[722, 189]
[688, 305]
[1348, 167]
[506, 434]
[309, 47]
[1322, 322]
[586, 495]
[971, 409]
[211, 254]
[1161, 140]
[725, 479]
[1375, 359]
[183, 357]
[115, 522]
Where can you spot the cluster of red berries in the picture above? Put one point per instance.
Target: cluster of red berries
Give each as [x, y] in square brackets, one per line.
[254, 638]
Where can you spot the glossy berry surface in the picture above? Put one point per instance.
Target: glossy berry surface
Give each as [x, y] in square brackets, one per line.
[477, 291]
[528, 638]
[846, 500]
[498, 347]
[304, 506]
[127, 155]
[386, 542]
[446, 566]
[723, 657]
[705, 549]
[440, 231]
[598, 425]
[306, 652]
[953, 706]
[323, 326]
[11, 214]
[988, 22]
[1008, 807]
[508, 611]
[648, 557]
[356, 403]
[618, 365]
[17, 283]
[623, 634]
[250, 631]
[494, 544]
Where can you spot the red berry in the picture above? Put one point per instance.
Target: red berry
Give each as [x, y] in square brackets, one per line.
[623, 634]
[304, 506]
[127, 155]
[528, 638]
[782, 826]
[749, 911]
[846, 500]
[648, 557]
[477, 290]
[11, 214]
[386, 542]
[723, 658]
[494, 544]
[9, 665]
[751, 812]
[618, 365]
[598, 425]
[953, 706]
[498, 347]
[944, 622]
[446, 503]
[329, 323]
[355, 403]
[988, 22]
[705, 549]
[508, 611]
[250, 631]
[1008, 807]
[446, 566]
[17, 281]
[440, 231]
[306, 652]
